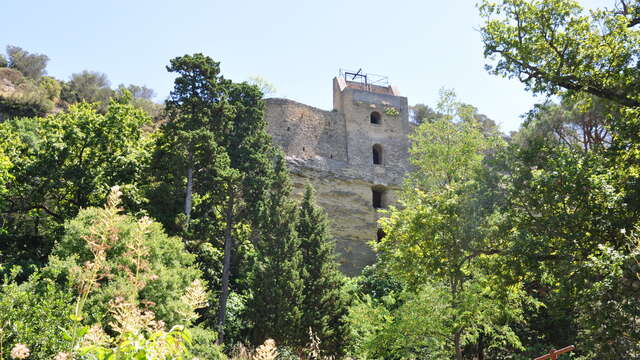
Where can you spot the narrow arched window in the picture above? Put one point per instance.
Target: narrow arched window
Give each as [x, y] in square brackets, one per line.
[375, 117]
[378, 197]
[377, 154]
[380, 234]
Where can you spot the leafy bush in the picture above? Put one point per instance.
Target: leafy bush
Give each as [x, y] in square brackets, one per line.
[136, 257]
[33, 313]
[51, 87]
[203, 344]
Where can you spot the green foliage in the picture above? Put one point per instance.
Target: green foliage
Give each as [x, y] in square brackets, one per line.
[33, 312]
[573, 167]
[30, 65]
[141, 98]
[391, 111]
[65, 162]
[24, 97]
[421, 113]
[377, 283]
[202, 344]
[6, 154]
[212, 168]
[419, 325]
[448, 149]
[139, 252]
[87, 86]
[3, 61]
[51, 87]
[611, 300]
[275, 309]
[324, 304]
[29, 105]
[265, 87]
[555, 44]
[444, 237]
[170, 345]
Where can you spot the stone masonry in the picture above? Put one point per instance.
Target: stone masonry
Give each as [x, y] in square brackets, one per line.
[335, 151]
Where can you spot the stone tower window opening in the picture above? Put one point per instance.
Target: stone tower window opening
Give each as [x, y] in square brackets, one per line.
[378, 197]
[380, 234]
[375, 118]
[377, 154]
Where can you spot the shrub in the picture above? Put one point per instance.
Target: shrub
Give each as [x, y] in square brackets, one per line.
[129, 256]
[203, 344]
[33, 313]
[51, 87]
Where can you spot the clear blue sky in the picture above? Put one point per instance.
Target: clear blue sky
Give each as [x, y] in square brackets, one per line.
[297, 45]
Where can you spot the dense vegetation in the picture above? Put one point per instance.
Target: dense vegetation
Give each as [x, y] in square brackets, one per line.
[134, 230]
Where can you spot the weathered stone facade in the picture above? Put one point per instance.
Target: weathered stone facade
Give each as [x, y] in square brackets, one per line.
[334, 151]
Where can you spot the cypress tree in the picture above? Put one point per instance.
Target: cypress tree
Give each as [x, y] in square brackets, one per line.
[275, 308]
[324, 306]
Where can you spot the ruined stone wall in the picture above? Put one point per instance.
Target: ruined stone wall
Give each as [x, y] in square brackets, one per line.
[332, 150]
[306, 132]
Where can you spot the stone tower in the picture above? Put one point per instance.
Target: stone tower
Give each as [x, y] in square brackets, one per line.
[355, 156]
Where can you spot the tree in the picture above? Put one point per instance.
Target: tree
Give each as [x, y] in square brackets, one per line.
[87, 86]
[563, 203]
[195, 108]
[555, 44]
[142, 96]
[574, 176]
[51, 87]
[63, 163]
[443, 234]
[139, 92]
[421, 113]
[418, 324]
[266, 87]
[608, 311]
[213, 161]
[555, 47]
[30, 65]
[278, 289]
[323, 307]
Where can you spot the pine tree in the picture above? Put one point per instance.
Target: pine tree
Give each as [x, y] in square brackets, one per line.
[275, 309]
[323, 306]
[213, 167]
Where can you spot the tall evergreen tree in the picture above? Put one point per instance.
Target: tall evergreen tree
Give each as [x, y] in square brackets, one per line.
[213, 165]
[276, 307]
[323, 307]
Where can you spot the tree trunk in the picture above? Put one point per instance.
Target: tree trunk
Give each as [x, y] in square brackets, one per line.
[188, 196]
[481, 346]
[456, 341]
[226, 269]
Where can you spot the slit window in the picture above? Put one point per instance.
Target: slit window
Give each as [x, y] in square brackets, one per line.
[375, 118]
[377, 154]
[380, 235]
